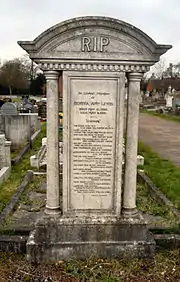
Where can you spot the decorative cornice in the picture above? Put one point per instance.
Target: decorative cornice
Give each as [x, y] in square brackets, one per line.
[94, 67]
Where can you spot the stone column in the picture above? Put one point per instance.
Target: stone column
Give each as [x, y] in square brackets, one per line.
[132, 118]
[53, 200]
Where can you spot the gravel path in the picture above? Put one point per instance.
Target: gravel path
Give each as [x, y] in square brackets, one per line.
[163, 136]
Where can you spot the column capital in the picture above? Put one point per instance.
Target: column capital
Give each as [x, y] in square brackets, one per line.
[134, 76]
[51, 74]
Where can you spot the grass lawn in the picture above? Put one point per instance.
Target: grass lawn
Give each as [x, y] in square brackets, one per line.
[18, 99]
[163, 173]
[164, 267]
[16, 152]
[146, 204]
[18, 172]
[170, 117]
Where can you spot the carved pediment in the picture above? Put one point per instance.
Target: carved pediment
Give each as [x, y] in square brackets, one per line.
[92, 43]
[94, 38]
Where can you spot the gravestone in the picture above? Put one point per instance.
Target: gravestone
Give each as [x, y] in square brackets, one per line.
[98, 217]
[169, 101]
[9, 109]
[16, 128]
[27, 107]
[42, 109]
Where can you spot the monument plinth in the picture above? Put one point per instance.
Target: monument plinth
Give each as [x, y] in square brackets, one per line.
[93, 56]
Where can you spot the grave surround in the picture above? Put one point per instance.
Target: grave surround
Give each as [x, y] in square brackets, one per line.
[18, 127]
[95, 55]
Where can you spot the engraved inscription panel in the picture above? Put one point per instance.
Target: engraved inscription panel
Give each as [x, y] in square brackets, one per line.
[92, 140]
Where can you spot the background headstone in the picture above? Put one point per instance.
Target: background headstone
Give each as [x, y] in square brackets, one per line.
[169, 100]
[42, 110]
[27, 107]
[9, 109]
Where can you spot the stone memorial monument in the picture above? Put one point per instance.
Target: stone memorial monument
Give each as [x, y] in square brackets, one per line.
[98, 216]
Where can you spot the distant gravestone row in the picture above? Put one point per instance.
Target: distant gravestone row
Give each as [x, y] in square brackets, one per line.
[10, 108]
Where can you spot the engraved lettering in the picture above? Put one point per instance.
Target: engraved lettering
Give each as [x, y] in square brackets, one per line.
[93, 128]
[86, 44]
[94, 43]
[104, 42]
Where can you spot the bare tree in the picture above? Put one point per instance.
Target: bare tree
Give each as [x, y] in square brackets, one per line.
[158, 69]
[32, 68]
[13, 74]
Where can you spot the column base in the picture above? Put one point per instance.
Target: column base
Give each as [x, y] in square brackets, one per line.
[127, 213]
[52, 211]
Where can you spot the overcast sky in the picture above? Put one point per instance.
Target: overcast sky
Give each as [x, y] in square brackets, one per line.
[26, 19]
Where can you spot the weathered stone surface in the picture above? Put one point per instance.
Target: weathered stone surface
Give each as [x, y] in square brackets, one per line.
[92, 168]
[25, 217]
[4, 173]
[9, 109]
[34, 121]
[17, 129]
[13, 243]
[60, 239]
[94, 38]
[129, 195]
[5, 154]
[53, 201]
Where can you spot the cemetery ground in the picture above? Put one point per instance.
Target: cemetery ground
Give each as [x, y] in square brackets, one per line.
[167, 116]
[19, 170]
[161, 135]
[165, 265]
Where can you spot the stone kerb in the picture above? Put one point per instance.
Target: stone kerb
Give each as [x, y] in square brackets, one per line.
[5, 158]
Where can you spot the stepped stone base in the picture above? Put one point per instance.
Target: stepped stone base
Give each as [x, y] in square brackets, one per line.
[65, 239]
